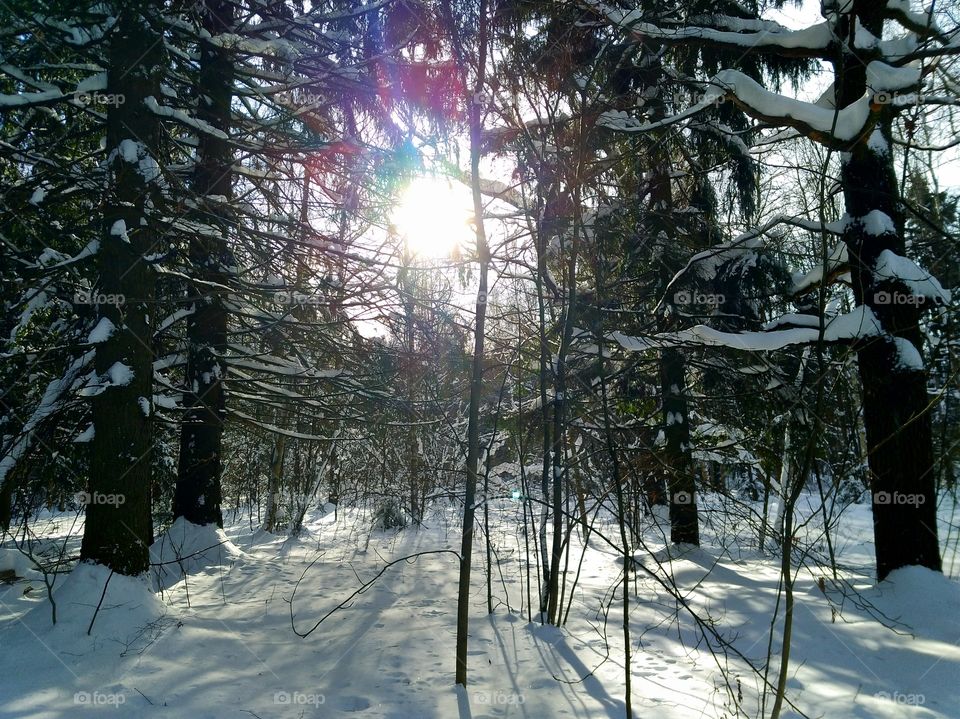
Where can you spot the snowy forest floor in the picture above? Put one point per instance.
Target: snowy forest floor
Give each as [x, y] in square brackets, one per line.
[220, 643]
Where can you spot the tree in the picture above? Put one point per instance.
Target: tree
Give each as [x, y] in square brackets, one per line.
[118, 528]
[198, 492]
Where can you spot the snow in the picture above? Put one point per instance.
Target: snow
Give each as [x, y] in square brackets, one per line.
[18, 562]
[858, 323]
[219, 643]
[102, 332]
[63, 666]
[907, 355]
[54, 395]
[836, 259]
[770, 34]
[919, 19]
[878, 143]
[119, 229]
[129, 150]
[86, 435]
[877, 223]
[891, 266]
[845, 124]
[184, 118]
[119, 374]
[881, 76]
[30, 98]
[187, 548]
[37, 197]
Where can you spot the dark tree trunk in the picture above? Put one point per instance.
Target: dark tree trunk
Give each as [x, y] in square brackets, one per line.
[118, 529]
[198, 493]
[684, 524]
[895, 402]
[476, 373]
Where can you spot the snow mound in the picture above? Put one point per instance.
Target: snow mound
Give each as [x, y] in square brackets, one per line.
[924, 600]
[187, 548]
[14, 564]
[118, 607]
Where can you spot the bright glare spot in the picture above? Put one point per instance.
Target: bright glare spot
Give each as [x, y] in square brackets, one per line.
[433, 216]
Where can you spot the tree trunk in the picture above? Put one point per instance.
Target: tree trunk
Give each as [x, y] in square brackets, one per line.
[476, 111]
[273, 487]
[198, 493]
[684, 523]
[118, 530]
[895, 403]
[682, 491]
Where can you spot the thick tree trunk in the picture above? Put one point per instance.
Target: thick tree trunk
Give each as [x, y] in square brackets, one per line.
[118, 529]
[684, 522]
[895, 402]
[682, 491]
[198, 493]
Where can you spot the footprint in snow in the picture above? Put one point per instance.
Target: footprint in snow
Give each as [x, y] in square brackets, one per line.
[352, 704]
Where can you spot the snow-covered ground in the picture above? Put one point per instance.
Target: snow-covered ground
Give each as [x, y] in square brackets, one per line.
[222, 644]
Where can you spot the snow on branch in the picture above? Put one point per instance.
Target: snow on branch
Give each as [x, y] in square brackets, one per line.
[183, 118]
[891, 266]
[860, 323]
[836, 263]
[705, 264]
[811, 41]
[54, 398]
[826, 125]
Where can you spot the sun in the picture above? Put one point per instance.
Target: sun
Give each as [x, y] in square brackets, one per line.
[433, 217]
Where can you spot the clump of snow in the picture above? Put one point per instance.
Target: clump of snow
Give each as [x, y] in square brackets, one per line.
[878, 223]
[119, 374]
[129, 150]
[119, 229]
[186, 548]
[844, 124]
[908, 357]
[881, 76]
[878, 143]
[37, 197]
[891, 266]
[15, 561]
[86, 435]
[102, 332]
